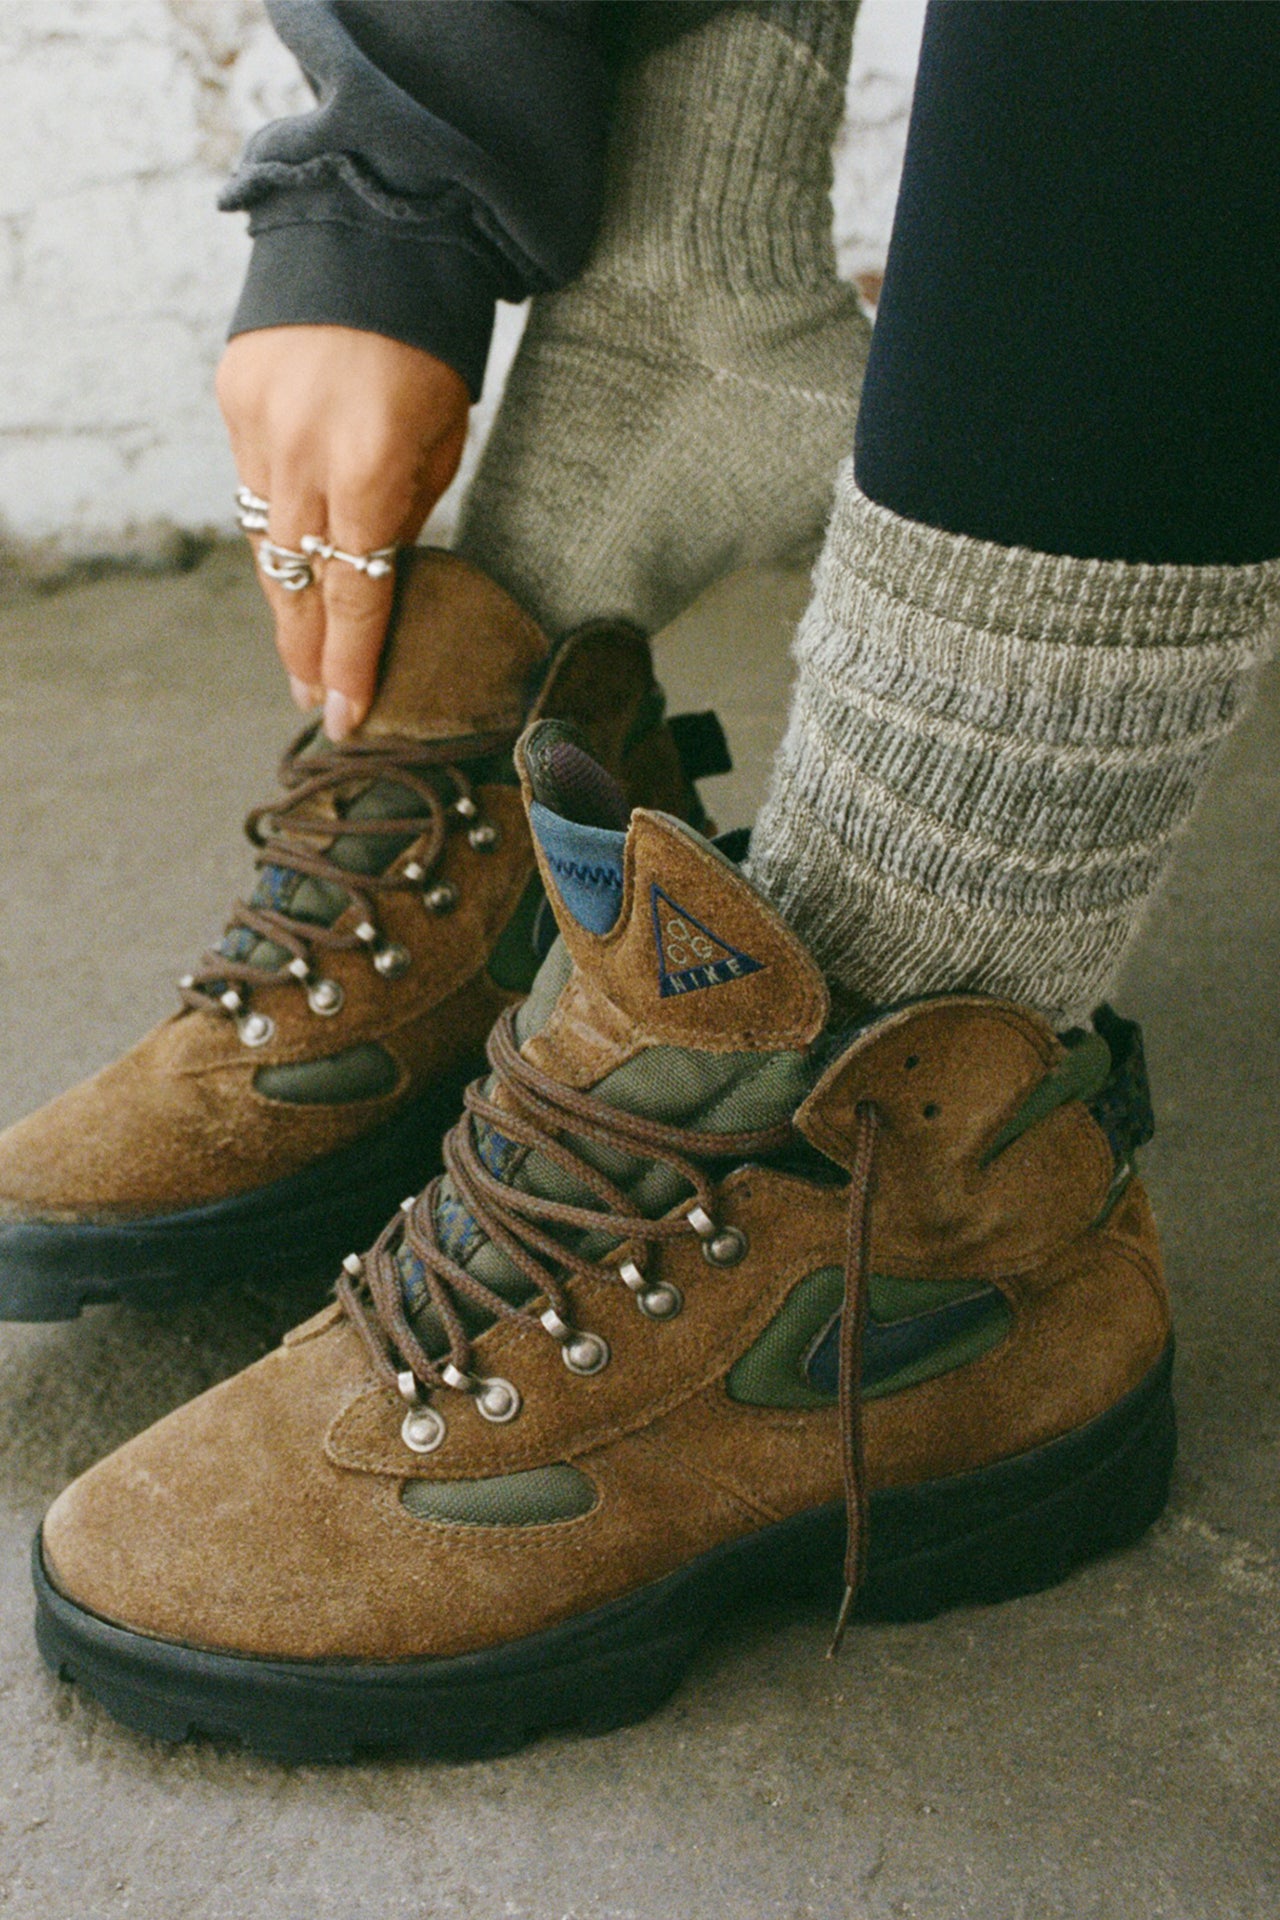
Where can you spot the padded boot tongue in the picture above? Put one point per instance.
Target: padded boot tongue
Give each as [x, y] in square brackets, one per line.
[461, 657]
[676, 992]
[671, 946]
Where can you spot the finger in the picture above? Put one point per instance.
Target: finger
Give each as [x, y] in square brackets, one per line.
[297, 510]
[253, 474]
[357, 609]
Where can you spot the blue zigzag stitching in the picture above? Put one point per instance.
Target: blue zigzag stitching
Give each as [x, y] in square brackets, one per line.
[605, 876]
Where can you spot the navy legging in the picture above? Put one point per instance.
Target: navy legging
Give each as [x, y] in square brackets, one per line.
[1078, 343]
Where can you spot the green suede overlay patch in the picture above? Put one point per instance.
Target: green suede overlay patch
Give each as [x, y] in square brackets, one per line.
[536, 1498]
[771, 1372]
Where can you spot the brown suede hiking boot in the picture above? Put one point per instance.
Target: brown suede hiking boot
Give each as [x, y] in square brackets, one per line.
[323, 1046]
[710, 1301]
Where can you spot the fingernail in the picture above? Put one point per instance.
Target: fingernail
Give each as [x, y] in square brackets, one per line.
[339, 715]
[303, 696]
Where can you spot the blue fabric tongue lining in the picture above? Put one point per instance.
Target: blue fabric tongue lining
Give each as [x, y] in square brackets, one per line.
[586, 863]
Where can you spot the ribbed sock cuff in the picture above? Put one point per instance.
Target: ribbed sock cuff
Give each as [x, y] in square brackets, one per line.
[989, 751]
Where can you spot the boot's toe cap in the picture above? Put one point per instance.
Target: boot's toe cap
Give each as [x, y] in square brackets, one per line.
[223, 1526]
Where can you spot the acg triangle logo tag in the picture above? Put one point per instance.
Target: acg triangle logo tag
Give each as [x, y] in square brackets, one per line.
[690, 956]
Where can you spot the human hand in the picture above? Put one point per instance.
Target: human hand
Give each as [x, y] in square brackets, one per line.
[353, 437]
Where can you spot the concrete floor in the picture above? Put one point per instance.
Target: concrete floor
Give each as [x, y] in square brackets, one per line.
[1107, 1751]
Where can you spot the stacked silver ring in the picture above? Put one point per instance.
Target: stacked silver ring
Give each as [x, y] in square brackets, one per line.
[251, 511]
[292, 568]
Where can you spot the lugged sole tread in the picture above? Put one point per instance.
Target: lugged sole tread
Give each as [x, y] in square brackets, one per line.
[1004, 1530]
[291, 1229]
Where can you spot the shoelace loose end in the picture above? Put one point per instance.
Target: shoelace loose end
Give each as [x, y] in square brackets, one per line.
[842, 1621]
[857, 1267]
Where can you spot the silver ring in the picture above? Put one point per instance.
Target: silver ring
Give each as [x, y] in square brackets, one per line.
[251, 511]
[290, 570]
[377, 563]
[291, 567]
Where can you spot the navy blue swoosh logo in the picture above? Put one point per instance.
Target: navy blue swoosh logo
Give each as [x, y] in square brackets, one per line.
[890, 1345]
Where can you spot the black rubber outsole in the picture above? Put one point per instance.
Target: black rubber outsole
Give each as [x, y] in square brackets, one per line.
[294, 1229]
[1008, 1529]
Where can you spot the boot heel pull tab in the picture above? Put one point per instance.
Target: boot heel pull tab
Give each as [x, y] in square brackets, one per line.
[1123, 1108]
[700, 744]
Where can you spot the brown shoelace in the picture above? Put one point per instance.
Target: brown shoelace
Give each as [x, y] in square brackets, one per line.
[857, 1272]
[290, 838]
[533, 1110]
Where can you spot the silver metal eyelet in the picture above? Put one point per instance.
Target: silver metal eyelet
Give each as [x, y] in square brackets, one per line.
[722, 1246]
[581, 1352]
[585, 1353]
[483, 837]
[441, 899]
[725, 1248]
[392, 961]
[325, 997]
[498, 1401]
[256, 1030]
[422, 1429]
[657, 1299]
[662, 1301]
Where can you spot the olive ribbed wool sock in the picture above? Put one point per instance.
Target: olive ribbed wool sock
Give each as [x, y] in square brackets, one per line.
[682, 407]
[989, 752]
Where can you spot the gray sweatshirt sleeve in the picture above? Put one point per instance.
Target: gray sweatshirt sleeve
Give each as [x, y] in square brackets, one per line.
[454, 157]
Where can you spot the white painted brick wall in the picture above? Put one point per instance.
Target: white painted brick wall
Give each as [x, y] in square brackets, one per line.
[118, 121]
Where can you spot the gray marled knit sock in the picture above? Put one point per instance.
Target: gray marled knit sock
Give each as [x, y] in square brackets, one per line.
[681, 409]
[989, 752]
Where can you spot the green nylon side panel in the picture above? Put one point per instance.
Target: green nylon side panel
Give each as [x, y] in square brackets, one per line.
[535, 1498]
[358, 1073]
